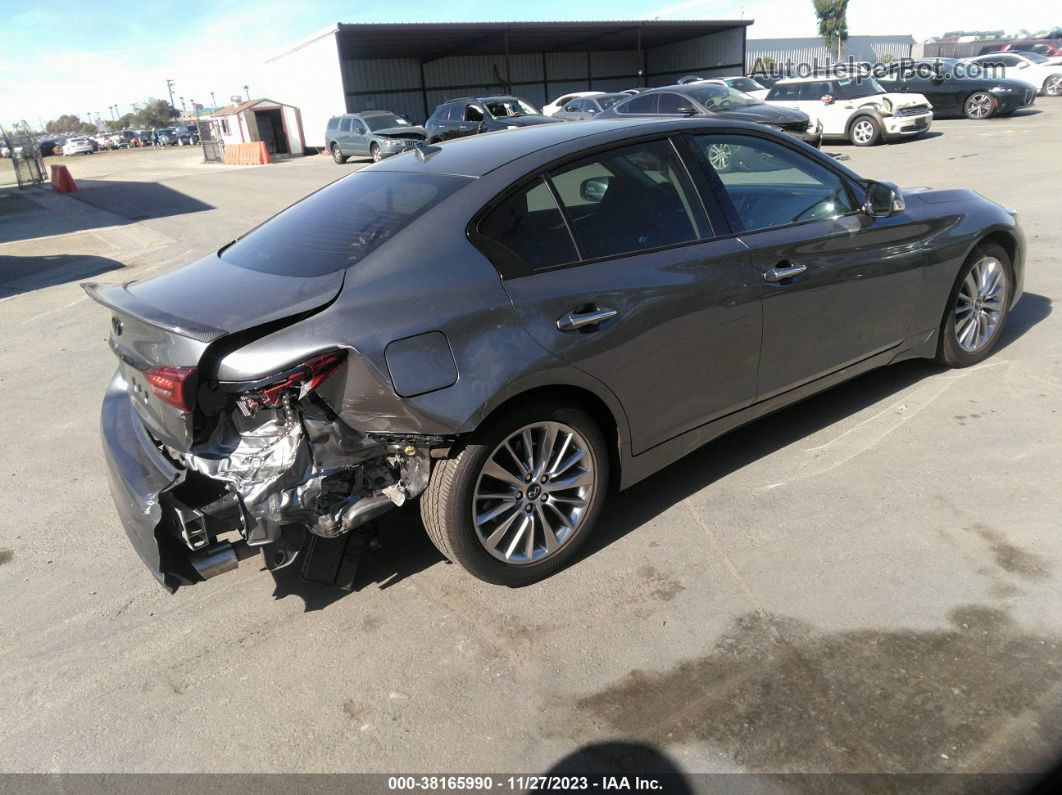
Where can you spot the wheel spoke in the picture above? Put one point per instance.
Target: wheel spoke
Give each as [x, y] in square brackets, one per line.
[581, 478]
[492, 541]
[545, 453]
[498, 472]
[529, 545]
[519, 535]
[548, 536]
[494, 512]
[567, 464]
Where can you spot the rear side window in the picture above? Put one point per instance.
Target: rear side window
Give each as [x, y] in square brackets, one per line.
[332, 123]
[527, 230]
[629, 199]
[643, 103]
[340, 224]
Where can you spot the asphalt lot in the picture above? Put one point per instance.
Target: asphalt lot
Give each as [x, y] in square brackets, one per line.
[868, 581]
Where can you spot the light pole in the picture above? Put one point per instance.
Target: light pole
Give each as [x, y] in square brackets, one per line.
[169, 87]
[213, 102]
[247, 90]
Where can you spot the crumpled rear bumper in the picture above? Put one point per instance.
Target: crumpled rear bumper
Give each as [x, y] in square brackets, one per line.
[138, 473]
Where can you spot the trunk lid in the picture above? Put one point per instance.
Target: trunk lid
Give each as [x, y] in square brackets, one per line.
[172, 320]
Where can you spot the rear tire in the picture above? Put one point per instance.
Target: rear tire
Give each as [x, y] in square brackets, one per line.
[977, 307]
[979, 105]
[865, 131]
[492, 526]
[337, 155]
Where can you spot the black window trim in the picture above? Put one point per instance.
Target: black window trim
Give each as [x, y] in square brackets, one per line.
[509, 269]
[723, 196]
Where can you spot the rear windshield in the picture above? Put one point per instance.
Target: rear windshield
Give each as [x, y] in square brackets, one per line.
[340, 224]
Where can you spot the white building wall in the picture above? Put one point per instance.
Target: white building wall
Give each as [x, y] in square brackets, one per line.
[309, 77]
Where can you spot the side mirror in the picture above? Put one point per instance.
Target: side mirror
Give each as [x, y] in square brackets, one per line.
[1023, 65]
[483, 126]
[594, 188]
[882, 200]
[686, 110]
[591, 111]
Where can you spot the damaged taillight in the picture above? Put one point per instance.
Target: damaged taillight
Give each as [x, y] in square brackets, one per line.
[306, 377]
[172, 385]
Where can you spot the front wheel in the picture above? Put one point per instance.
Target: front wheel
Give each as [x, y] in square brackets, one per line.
[1053, 86]
[865, 131]
[977, 308]
[520, 498]
[337, 155]
[374, 153]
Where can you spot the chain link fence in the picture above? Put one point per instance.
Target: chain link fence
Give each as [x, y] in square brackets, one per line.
[210, 140]
[22, 146]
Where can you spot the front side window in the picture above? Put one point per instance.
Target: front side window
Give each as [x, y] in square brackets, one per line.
[859, 87]
[473, 113]
[815, 90]
[340, 224]
[509, 106]
[771, 185]
[673, 104]
[345, 125]
[717, 96]
[629, 199]
[527, 230]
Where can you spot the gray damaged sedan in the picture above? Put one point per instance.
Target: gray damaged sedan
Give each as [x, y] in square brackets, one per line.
[504, 326]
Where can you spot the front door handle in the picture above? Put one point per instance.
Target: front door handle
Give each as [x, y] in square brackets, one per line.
[783, 271]
[574, 321]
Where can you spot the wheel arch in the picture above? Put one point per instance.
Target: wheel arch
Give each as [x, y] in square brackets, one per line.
[869, 112]
[612, 426]
[1008, 241]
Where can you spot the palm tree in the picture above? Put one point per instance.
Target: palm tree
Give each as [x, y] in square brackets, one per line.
[833, 25]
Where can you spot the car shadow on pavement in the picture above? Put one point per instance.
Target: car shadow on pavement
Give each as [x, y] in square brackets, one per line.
[137, 201]
[630, 509]
[404, 550]
[25, 274]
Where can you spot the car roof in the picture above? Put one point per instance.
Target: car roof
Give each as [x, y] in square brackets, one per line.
[478, 155]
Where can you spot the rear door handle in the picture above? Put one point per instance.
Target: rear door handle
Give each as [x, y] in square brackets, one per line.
[574, 321]
[783, 271]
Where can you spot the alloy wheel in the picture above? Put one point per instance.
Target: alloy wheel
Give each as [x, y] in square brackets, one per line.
[336, 154]
[980, 303]
[375, 152]
[979, 105]
[1053, 85]
[719, 155]
[533, 493]
[863, 131]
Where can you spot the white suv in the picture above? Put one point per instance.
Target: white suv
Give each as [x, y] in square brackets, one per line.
[855, 109]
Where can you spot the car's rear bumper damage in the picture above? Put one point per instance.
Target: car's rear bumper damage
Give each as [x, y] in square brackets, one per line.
[268, 479]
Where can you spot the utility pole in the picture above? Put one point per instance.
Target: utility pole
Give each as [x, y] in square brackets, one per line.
[169, 87]
[247, 90]
[213, 102]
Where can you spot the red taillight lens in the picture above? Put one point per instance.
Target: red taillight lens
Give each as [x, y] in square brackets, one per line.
[307, 376]
[172, 385]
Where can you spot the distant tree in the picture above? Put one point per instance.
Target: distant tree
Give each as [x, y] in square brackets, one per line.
[833, 24]
[156, 113]
[124, 123]
[87, 129]
[67, 123]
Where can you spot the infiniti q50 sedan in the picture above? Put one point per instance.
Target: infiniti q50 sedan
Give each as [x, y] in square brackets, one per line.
[502, 326]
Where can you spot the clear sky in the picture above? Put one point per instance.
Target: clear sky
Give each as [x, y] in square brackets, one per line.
[81, 56]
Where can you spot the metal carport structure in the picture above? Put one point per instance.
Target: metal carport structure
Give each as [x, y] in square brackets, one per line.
[412, 67]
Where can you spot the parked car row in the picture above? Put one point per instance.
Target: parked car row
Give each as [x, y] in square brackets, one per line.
[838, 105]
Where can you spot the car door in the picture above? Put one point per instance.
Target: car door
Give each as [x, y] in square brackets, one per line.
[628, 280]
[343, 135]
[359, 137]
[838, 285]
[472, 118]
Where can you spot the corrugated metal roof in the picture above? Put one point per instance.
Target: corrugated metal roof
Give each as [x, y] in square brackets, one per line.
[433, 40]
